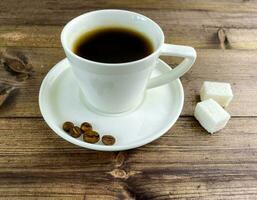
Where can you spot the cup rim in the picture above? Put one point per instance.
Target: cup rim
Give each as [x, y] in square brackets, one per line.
[110, 64]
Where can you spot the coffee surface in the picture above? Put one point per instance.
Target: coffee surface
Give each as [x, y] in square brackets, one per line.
[113, 45]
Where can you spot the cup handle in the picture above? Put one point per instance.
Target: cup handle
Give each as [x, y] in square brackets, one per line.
[188, 53]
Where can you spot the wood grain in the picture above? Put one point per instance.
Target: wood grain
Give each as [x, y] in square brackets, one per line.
[196, 13]
[184, 163]
[30, 36]
[234, 66]
[242, 38]
[197, 5]
[47, 11]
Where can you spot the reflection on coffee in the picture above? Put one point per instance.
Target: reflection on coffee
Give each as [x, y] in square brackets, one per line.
[113, 45]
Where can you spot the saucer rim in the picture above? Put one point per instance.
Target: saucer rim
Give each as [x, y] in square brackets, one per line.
[57, 70]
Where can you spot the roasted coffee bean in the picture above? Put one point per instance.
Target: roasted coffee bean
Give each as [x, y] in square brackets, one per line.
[91, 137]
[108, 140]
[86, 127]
[67, 126]
[75, 132]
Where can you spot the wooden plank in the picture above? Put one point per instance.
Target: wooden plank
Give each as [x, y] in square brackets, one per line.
[49, 36]
[234, 66]
[196, 13]
[196, 5]
[198, 37]
[184, 163]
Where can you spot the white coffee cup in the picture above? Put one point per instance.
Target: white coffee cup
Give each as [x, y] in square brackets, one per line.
[117, 88]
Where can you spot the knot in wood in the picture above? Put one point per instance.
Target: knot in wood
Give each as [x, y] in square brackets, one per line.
[17, 64]
[222, 38]
[119, 173]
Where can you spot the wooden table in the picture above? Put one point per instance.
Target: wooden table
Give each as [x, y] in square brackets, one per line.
[186, 163]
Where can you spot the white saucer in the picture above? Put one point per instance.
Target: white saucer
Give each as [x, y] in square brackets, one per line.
[60, 100]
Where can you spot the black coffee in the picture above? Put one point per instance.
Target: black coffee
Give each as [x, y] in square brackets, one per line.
[113, 45]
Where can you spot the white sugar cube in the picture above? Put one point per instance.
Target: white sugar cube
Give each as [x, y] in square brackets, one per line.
[220, 92]
[211, 115]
